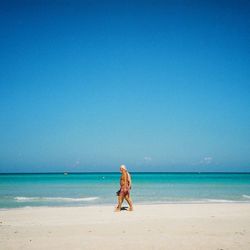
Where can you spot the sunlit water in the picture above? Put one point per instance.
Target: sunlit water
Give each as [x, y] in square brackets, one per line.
[20, 190]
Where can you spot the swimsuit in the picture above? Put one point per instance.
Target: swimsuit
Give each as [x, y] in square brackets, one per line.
[124, 190]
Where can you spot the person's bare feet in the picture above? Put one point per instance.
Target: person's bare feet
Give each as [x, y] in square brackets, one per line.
[130, 209]
[117, 209]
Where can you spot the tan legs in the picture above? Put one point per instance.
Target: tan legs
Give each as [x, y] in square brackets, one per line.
[120, 201]
[129, 201]
[119, 206]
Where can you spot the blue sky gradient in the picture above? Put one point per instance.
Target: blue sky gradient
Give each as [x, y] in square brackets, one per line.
[156, 85]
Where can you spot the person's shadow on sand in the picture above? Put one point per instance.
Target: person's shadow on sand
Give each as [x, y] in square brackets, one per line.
[124, 208]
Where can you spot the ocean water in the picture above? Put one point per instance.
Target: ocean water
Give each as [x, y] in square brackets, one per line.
[84, 189]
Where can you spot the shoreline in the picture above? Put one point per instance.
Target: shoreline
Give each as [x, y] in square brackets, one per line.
[125, 204]
[155, 226]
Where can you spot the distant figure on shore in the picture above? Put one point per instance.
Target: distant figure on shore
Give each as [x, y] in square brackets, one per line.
[124, 192]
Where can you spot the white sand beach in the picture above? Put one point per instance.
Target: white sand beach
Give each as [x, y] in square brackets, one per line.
[168, 226]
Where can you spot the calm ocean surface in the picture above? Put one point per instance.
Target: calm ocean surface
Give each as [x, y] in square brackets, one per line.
[82, 189]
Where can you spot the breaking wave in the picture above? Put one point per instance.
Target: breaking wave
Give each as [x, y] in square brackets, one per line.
[218, 200]
[30, 199]
[246, 196]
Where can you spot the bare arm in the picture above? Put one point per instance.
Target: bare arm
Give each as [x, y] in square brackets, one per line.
[129, 181]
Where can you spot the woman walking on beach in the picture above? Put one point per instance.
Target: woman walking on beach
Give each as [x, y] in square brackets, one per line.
[125, 186]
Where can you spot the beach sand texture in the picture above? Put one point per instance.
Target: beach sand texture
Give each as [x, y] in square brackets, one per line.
[168, 226]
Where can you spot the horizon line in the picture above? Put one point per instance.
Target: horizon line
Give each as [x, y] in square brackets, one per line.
[142, 172]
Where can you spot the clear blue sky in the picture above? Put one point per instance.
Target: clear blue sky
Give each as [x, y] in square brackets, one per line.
[156, 85]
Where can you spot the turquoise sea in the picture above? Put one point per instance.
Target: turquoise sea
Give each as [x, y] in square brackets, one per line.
[82, 189]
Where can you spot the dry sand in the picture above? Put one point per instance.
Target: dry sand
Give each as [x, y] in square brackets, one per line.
[168, 226]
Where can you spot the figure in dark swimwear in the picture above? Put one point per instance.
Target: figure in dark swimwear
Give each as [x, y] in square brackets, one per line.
[125, 186]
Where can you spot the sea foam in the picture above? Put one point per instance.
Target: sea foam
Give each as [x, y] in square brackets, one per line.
[218, 200]
[30, 199]
[246, 196]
